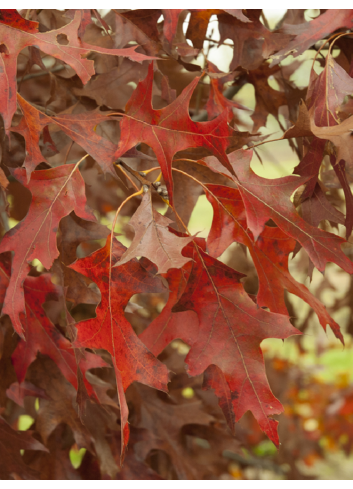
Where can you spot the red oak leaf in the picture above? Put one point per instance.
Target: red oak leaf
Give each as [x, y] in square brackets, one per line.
[327, 91]
[341, 136]
[41, 334]
[325, 94]
[238, 14]
[268, 100]
[55, 193]
[231, 328]
[169, 325]
[252, 40]
[170, 130]
[153, 240]
[217, 102]
[16, 34]
[266, 199]
[308, 33]
[322, 111]
[79, 127]
[171, 18]
[270, 254]
[111, 331]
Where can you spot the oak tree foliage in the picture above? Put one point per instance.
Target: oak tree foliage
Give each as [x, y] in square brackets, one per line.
[113, 124]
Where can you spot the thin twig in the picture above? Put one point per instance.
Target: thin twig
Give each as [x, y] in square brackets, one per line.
[219, 42]
[256, 462]
[117, 213]
[40, 73]
[264, 142]
[68, 151]
[127, 176]
[266, 24]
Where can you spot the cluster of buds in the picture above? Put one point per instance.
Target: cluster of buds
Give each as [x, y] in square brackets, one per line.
[163, 192]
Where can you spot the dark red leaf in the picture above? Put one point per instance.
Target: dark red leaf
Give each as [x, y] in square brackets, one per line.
[230, 332]
[73, 53]
[55, 193]
[170, 129]
[111, 331]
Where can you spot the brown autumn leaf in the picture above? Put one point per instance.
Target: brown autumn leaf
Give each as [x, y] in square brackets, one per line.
[60, 408]
[163, 421]
[113, 88]
[54, 464]
[253, 42]
[17, 392]
[153, 240]
[308, 33]
[340, 135]
[268, 100]
[11, 462]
